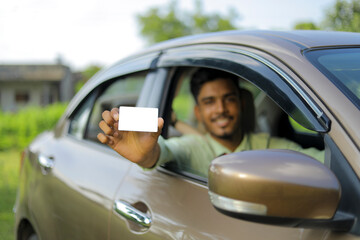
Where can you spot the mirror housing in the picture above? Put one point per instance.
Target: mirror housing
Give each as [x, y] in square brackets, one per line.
[281, 187]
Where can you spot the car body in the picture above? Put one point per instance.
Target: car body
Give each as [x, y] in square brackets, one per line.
[74, 187]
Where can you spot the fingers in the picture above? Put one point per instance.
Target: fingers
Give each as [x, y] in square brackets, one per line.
[104, 139]
[160, 127]
[106, 115]
[105, 128]
[110, 123]
[115, 114]
[160, 124]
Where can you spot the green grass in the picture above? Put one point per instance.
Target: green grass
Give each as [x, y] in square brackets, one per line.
[9, 178]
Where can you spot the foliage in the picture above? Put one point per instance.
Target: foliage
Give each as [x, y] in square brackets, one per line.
[306, 26]
[86, 74]
[159, 24]
[9, 178]
[90, 71]
[344, 16]
[17, 130]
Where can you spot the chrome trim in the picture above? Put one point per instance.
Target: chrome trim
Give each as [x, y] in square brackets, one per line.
[46, 162]
[237, 206]
[129, 212]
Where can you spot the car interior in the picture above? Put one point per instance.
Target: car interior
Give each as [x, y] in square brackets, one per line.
[263, 114]
[119, 92]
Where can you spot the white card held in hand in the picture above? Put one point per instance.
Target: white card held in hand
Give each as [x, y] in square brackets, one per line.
[138, 119]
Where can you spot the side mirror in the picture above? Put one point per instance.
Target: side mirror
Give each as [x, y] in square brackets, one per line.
[279, 187]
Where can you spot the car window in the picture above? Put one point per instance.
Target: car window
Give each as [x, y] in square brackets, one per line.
[80, 118]
[183, 107]
[263, 117]
[121, 92]
[342, 66]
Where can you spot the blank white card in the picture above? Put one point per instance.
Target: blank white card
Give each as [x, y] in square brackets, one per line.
[138, 119]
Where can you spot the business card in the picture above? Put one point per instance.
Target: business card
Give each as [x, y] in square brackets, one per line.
[138, 119]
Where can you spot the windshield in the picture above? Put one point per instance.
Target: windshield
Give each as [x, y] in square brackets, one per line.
[342, 67]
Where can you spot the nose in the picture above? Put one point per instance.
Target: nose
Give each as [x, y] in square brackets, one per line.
[221, 106]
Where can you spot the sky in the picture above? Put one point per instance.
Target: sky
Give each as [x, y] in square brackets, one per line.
[85, 32]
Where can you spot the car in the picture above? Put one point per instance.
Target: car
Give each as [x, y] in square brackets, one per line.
[305, 87]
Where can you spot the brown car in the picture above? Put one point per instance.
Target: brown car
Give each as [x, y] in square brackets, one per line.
[305, 87]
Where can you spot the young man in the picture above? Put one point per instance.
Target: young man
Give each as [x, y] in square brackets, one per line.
[219, 107]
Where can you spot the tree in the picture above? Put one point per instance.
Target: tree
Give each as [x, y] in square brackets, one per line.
[344, 16]
[90, 71]
[306, 26]
[86, 74]
[159, 24]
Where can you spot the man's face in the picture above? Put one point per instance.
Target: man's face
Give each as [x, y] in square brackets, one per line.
[219, 108]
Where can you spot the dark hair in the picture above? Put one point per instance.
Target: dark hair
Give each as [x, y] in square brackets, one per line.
[205, 75]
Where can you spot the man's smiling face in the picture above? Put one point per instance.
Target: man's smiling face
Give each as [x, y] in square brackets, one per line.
[219, 108]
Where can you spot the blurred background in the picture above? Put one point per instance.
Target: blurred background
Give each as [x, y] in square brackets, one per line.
[50, 48]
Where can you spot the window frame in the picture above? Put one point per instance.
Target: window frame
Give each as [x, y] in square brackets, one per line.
[222, 58]
[241, 62]
[195, 56]
[94, 95]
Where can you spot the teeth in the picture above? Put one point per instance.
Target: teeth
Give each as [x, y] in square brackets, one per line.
[222, 121]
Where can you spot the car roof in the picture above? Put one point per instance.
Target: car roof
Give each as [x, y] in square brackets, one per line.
[265, 40]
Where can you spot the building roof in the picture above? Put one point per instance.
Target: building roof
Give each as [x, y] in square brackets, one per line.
[49, 72]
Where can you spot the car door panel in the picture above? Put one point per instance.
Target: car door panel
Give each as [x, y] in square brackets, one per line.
[80, 188]
[187, 203]
[181, 209]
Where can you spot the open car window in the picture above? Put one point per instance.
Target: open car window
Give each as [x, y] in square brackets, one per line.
[261, 116]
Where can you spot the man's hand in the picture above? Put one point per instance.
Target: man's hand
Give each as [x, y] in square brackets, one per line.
[139, 147]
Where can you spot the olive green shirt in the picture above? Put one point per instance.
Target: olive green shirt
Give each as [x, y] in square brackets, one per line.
[193, 153]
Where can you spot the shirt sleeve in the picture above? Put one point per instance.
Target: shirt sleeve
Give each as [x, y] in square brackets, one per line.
[190, 152]
[281, 143]
[176, 149]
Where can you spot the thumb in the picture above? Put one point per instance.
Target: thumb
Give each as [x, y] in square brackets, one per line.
[160, 127]
[160, 124]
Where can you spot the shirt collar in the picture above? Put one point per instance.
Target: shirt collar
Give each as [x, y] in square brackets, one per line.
[219, 149]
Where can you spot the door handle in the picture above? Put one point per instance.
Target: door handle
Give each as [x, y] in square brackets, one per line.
[47, 163]
[129, 212]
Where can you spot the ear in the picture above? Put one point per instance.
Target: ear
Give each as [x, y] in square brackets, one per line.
[197, 113]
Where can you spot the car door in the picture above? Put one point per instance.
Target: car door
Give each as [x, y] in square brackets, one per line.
[171, 203]
[78, 176]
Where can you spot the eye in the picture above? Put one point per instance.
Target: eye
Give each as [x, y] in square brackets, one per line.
[232, 98]
[208, 101]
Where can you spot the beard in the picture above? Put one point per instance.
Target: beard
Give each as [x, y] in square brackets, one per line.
[225, 134]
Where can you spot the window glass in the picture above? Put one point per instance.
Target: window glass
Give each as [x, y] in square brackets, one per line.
[121, 92]
[22, 97]
[80, 118]
[183, 106]
[342, 66]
